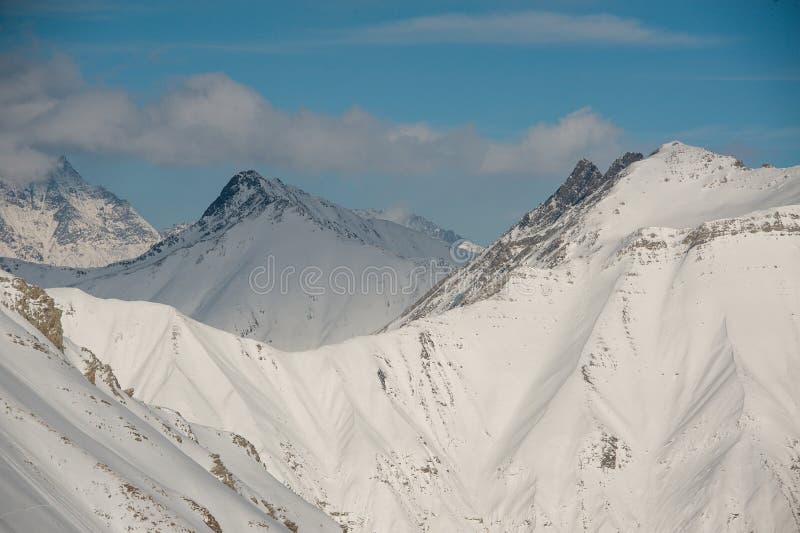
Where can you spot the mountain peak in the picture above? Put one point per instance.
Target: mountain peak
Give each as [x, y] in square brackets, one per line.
[582, 181]
[621, 163]
[586, 178]
[63, 173]
[78, 224]
[678, 147]
[243, 189]
[245, 175]
[247, 191]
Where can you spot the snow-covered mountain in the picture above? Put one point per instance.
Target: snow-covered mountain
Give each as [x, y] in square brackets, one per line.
[412, 221]
[62, 220]
[423, 225]
[274, 263]
[79, 454]
[624, 358]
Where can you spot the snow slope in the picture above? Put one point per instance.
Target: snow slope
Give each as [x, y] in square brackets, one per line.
[624, 358]
[63, 220]
[78, 454]
[271, 262]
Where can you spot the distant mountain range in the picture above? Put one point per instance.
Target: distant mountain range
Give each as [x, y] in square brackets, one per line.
[369, 270]
[62, 220]
[412, 221]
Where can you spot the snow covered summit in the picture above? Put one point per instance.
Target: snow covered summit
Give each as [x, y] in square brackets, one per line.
[62, 220]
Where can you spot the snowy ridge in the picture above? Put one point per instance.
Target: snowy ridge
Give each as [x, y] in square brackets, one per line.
[173, 230]
[65, 221]
[263, 225]
[633, 369]
[79, 454]
[423, 225]
[678, 185]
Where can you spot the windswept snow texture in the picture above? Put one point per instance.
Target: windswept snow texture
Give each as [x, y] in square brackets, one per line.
[78, 454]
[625, 358]
[63, 220]
[244, 267]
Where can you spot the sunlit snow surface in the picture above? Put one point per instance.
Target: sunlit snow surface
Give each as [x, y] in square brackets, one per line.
[82, 456]
[634, 366]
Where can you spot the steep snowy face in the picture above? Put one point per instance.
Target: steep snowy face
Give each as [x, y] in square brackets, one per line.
[272, 262]
[79, 454]
[63, 220]
[633, 367]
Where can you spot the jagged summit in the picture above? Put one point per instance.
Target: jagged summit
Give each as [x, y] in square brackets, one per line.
[63, 220]
[248, 194]
[593, 211]
[620, 164]
[586, 178]
[64, 172]
[242, 192]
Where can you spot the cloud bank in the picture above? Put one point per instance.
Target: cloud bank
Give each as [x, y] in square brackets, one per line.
[47, 109]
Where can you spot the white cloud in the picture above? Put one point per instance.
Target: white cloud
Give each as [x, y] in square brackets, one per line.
[519, 28]
[46, 109]
[546, 146]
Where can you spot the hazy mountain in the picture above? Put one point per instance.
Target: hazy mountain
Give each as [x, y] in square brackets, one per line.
[412, 221]
[62, 220]
[423, 225]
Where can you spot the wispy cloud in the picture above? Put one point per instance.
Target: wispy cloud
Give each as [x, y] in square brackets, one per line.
[524, 28]
[520, 28]
[46, 109]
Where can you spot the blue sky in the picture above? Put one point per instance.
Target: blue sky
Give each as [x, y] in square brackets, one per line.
[469, 113]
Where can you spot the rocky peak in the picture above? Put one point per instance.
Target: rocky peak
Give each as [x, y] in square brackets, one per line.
[242, 190]
[621, 163]
[63, 220]
[245, 193]
[584, 179]
[64, 177]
